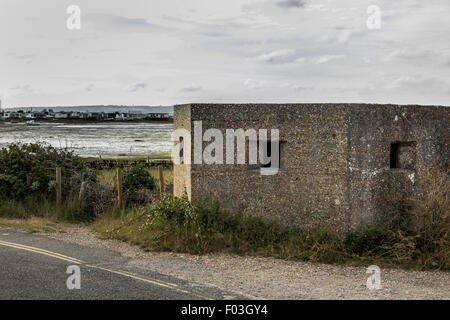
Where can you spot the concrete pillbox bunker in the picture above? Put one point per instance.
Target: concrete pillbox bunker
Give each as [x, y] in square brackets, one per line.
[343, 166]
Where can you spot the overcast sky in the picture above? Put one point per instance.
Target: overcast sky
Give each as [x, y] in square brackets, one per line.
[177, 51]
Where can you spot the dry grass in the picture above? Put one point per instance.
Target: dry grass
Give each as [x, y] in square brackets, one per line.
[418, 238]
[33, 224]
[109, 176]
[423, 231]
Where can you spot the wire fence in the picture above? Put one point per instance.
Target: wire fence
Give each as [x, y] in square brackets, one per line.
[100, 164]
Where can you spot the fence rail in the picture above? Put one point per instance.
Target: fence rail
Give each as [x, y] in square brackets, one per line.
[126, 163]
[119, 177]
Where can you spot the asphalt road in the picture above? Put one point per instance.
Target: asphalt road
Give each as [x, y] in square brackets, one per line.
[35, 267]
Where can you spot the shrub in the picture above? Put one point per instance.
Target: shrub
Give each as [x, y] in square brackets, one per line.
[422, 232]
[417, 235]
[176, 224]
[29, 169]
[139, 185]
[137, 178]
[366, 242]
[99, 198]
[178, 210]
[419, 238]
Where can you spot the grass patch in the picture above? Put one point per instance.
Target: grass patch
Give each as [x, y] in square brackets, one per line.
[175, 224]
[41, 207]
[32, 224]
[110, 176]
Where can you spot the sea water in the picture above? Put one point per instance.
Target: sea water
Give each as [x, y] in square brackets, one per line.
[103, 139]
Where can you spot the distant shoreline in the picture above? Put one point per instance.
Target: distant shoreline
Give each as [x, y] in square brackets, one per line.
[111, 163]
[125, 157]
[86, 121]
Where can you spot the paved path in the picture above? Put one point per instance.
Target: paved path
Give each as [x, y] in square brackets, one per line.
[35, 267]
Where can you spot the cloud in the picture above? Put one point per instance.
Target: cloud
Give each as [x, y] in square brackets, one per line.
[22, 89]
[299, 87]
[408, 54]
[291, 3]
[344, 35]
[280, 56]
[243, 50]
[191, 88]
[420, 84]
[418, 55]
[253, 84]
[26, 58]
[136, 87]
[120, 23]
[327, 58]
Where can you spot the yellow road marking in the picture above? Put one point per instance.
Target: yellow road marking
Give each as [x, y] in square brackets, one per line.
[164, 284]
[77, 261]
[41, 251]
[158, 283]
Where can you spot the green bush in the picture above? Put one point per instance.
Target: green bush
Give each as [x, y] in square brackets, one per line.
[369, 241]
[27, 182]
[137, 178]
[178, 210]
[29, 169]
[176, 224]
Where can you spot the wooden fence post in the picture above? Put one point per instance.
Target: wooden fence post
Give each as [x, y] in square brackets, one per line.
[82, 190]
[119, 189]
[58, 186]
[161, 180]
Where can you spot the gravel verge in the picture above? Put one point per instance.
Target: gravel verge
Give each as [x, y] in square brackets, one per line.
[270, 278]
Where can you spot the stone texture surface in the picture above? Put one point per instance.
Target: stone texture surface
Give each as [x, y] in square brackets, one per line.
[182, 173]
[335, 160]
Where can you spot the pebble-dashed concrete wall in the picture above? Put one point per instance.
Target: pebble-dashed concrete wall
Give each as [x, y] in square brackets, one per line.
[335, 160]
